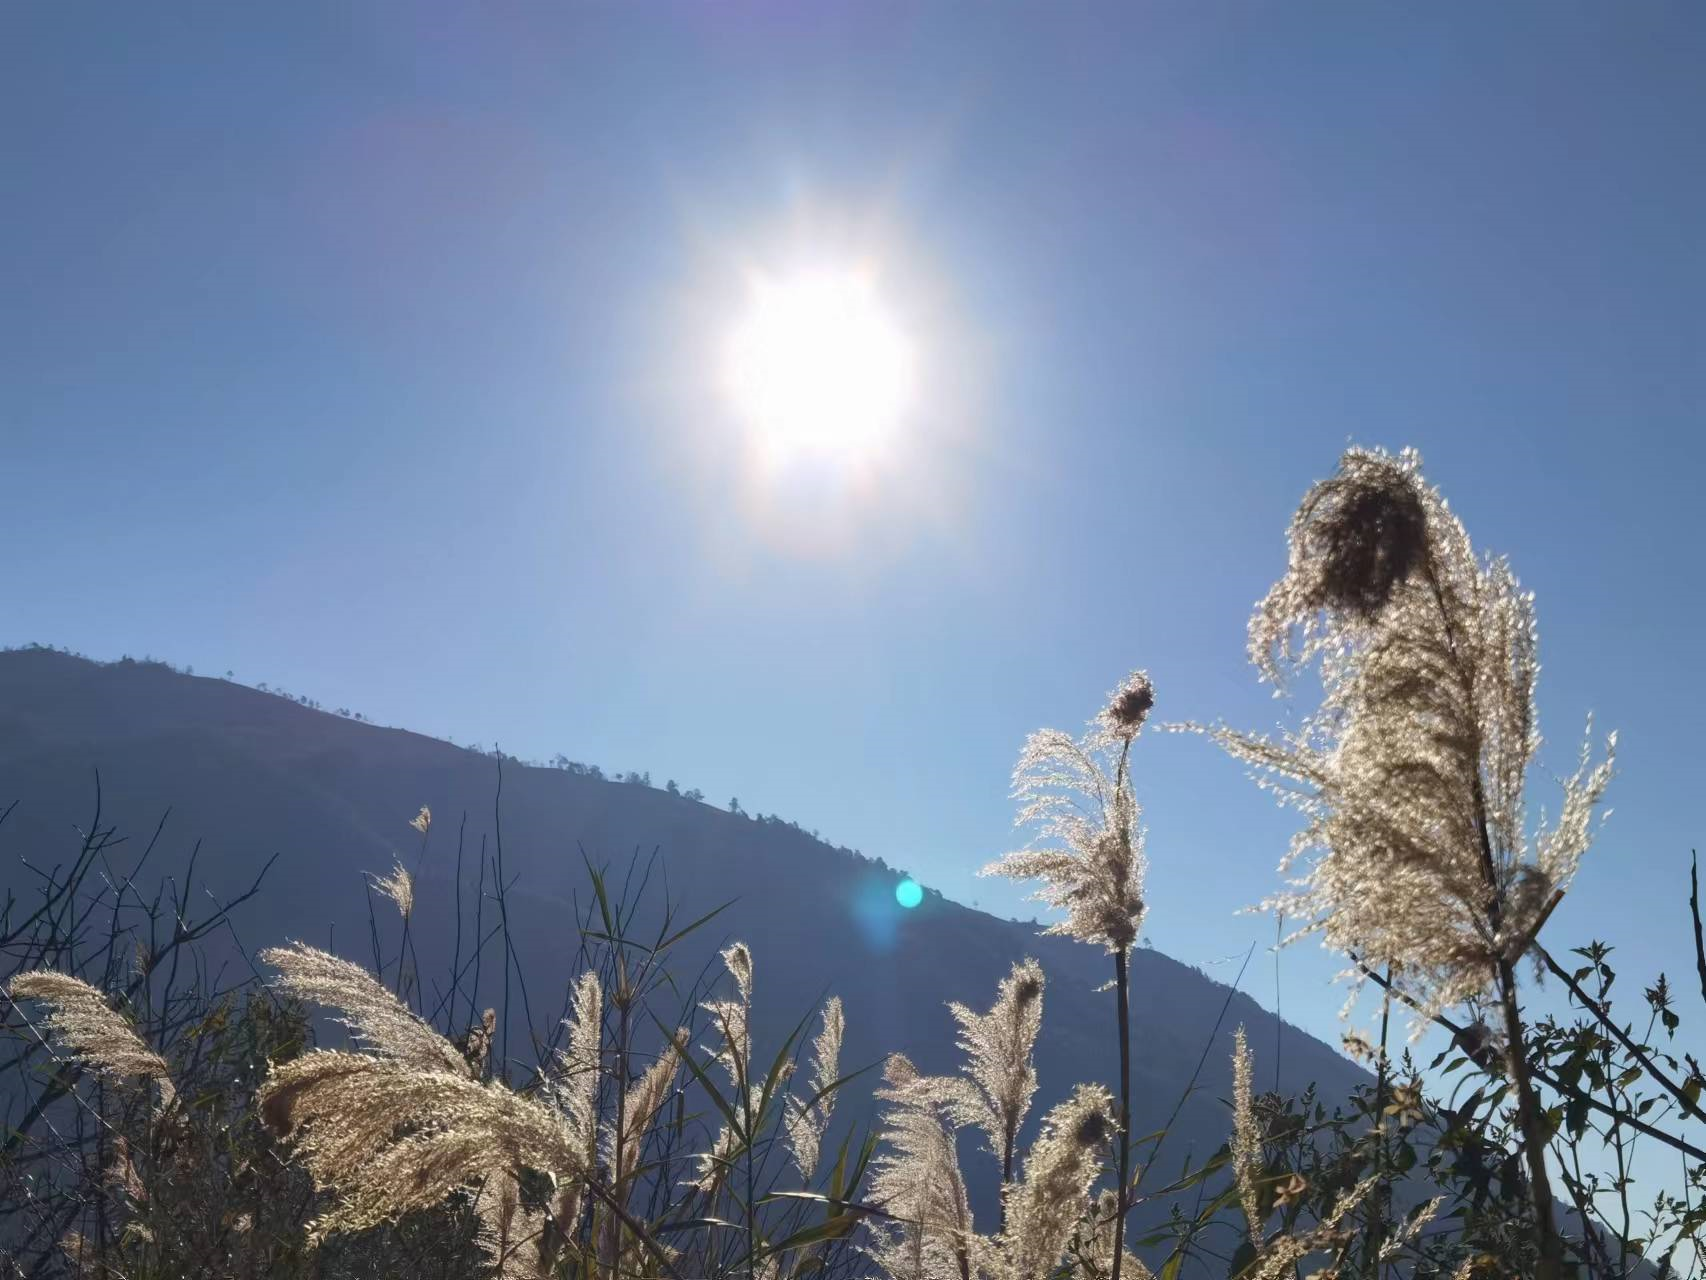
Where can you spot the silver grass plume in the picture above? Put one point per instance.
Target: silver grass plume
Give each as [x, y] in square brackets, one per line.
[640, 1108]
[917, 1180]
[422, 821]
[807, 1121]
[572, 1087]
[1410, 776]
[399, 886]
[574, 1083]
[1001, 1074]
[1047, 1206]
[1076, 798]
[1093, 1243]
[511, 1233]
[375, 1017]
[733, 1018]
[390, 1136]
[1128, 707]
[1280, 1256]
[646, 1098]
[1246, 1143]
[82, 1023]
[733, 1052]
[1411, 1229]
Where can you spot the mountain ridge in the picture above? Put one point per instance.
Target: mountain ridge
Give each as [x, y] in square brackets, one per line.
[252, 775]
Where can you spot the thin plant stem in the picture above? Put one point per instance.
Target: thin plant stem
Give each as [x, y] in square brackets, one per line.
[1122, 989]
[1122, 997]
[1380, 1202]
[1534, 1138]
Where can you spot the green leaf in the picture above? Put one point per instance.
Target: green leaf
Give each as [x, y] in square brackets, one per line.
[1243, 1258]
[864, 1210]
[1576, 1115]
[699, 1074]
[833, 1085]
[663, 944]
[692, 1224]
[832, 1228]
[779, 1067]
[598, 888]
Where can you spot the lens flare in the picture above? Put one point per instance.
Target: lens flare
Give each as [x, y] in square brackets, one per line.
[909, 893]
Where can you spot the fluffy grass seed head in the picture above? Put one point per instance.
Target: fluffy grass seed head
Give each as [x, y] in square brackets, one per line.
[646, 1098]
[1076, 799]
[509, 1231]
[1128, 707]
[733, 1018]
[808, 1120]
[375, 1017]
[422, 821]
[1045, 1208]
[389, 1136]
[81, 1022]
[399, 886]
[732, 1050]
[916, 1178]
[1093, 1242]
[1415, 852]
[574, 1083]
[1000, 1073]
[1246, 1142]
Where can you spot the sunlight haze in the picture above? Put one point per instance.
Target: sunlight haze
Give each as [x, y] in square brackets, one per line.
[802, 404]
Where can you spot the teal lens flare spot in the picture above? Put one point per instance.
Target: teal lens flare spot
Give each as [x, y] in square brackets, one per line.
[909, 893]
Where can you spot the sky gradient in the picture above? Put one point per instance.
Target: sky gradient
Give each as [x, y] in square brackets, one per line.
[361, 350]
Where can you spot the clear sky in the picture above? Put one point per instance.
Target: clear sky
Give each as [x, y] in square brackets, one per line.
[363, 350]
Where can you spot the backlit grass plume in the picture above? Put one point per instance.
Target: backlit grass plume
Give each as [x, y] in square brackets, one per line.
[732, 1051]
[930, 1234]
[1044, 1209]
[81, 1023]
[375, 1017]
[1076, 796]
[404, 1126]
[1093, 1242]
[917, 1181]
[1246, 1142]
[389, 1136]
[1410, 776]
[1001, 1076]
[808, 1120]
[513, 1234]
[399, 886]
[1282, 1254]
[640, 1108]
[1414, 851]
[575, 1081]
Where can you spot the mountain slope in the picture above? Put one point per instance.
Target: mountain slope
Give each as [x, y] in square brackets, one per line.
[249, 774]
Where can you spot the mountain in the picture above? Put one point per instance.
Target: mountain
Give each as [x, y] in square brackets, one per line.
[249, 775]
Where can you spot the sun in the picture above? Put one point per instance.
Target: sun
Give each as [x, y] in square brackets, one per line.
[817, 367]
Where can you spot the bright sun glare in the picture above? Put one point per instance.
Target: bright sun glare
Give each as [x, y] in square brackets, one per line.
[817, 366]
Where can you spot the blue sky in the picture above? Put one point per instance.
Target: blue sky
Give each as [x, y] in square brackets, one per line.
[360, 349]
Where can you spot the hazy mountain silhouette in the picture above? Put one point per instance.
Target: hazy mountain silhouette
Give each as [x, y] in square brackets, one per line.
[250, 774]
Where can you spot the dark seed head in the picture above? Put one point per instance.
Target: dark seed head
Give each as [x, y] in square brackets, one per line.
[1129, 705]
[1367, 532]
[1092, 1130]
